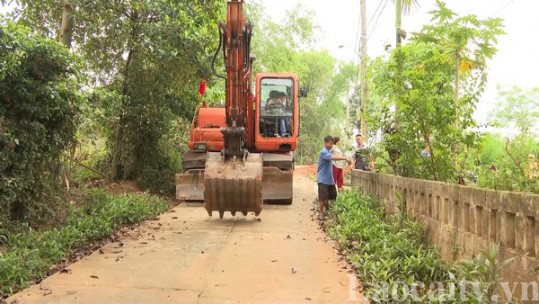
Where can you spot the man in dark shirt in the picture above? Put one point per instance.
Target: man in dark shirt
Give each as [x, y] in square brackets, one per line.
[361, 156]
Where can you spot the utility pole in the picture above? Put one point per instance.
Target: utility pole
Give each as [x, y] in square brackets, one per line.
[363, 84]
[398, 22]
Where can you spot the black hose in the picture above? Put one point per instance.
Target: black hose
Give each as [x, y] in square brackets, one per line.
[247, 46]
[223, 34]
[217, 52]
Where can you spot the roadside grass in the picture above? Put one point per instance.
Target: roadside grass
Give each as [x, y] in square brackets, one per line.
[396, 264]
[29, 255]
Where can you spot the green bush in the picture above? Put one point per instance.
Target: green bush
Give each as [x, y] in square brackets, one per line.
[515, 161]
[30, 254]
[38, 119]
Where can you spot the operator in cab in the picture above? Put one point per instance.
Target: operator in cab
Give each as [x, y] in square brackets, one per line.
[277, 100]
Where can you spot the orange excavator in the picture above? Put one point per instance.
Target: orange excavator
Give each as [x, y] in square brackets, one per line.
[241, 155]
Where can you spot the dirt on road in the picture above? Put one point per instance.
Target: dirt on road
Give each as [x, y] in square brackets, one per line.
[187, 257]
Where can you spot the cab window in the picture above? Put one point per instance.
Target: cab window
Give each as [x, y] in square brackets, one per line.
[276, 107]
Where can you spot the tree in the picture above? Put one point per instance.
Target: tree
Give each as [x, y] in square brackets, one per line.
[400, 6]
[508, 163]
[323, 111]
[514, 157]
[39, 111]
[518, 108]
[423, 112]
[66, 29]
[276, 44]
[129, 45]
[415, 78]
[471, 41]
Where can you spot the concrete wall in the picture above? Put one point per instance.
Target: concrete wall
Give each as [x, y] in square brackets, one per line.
[461, 220]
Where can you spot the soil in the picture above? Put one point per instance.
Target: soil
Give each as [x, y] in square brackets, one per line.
[309, 171]
[123, 187]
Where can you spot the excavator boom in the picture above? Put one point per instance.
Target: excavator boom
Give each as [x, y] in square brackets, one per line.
[233, 177]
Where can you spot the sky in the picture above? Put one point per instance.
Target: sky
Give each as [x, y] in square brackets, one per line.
[516, 62]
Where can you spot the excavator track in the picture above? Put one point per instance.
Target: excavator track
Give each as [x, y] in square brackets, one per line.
[236, 186]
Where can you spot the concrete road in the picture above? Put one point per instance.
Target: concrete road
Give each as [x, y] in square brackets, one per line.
[188, 257]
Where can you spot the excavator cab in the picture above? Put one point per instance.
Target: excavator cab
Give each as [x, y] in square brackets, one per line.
[276, 112]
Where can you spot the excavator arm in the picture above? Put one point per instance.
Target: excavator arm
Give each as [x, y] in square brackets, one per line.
[236, 39]
[233, 177]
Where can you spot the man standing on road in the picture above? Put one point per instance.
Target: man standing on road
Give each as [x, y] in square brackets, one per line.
[338, 165]
[326, 183]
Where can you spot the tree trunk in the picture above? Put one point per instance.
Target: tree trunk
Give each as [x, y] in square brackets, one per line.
[394, 153]
[119, 128]
[457, 80]
[115, 174]
[65, 37]
[456, 102]
[66, 30]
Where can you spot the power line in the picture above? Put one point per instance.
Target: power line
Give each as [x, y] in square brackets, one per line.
[356, 44]
[375, 26]
[376, 11]
[369, 35]
[502, 8]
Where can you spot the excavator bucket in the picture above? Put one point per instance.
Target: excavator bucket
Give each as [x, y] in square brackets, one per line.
[233, 185]
[190, 185]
